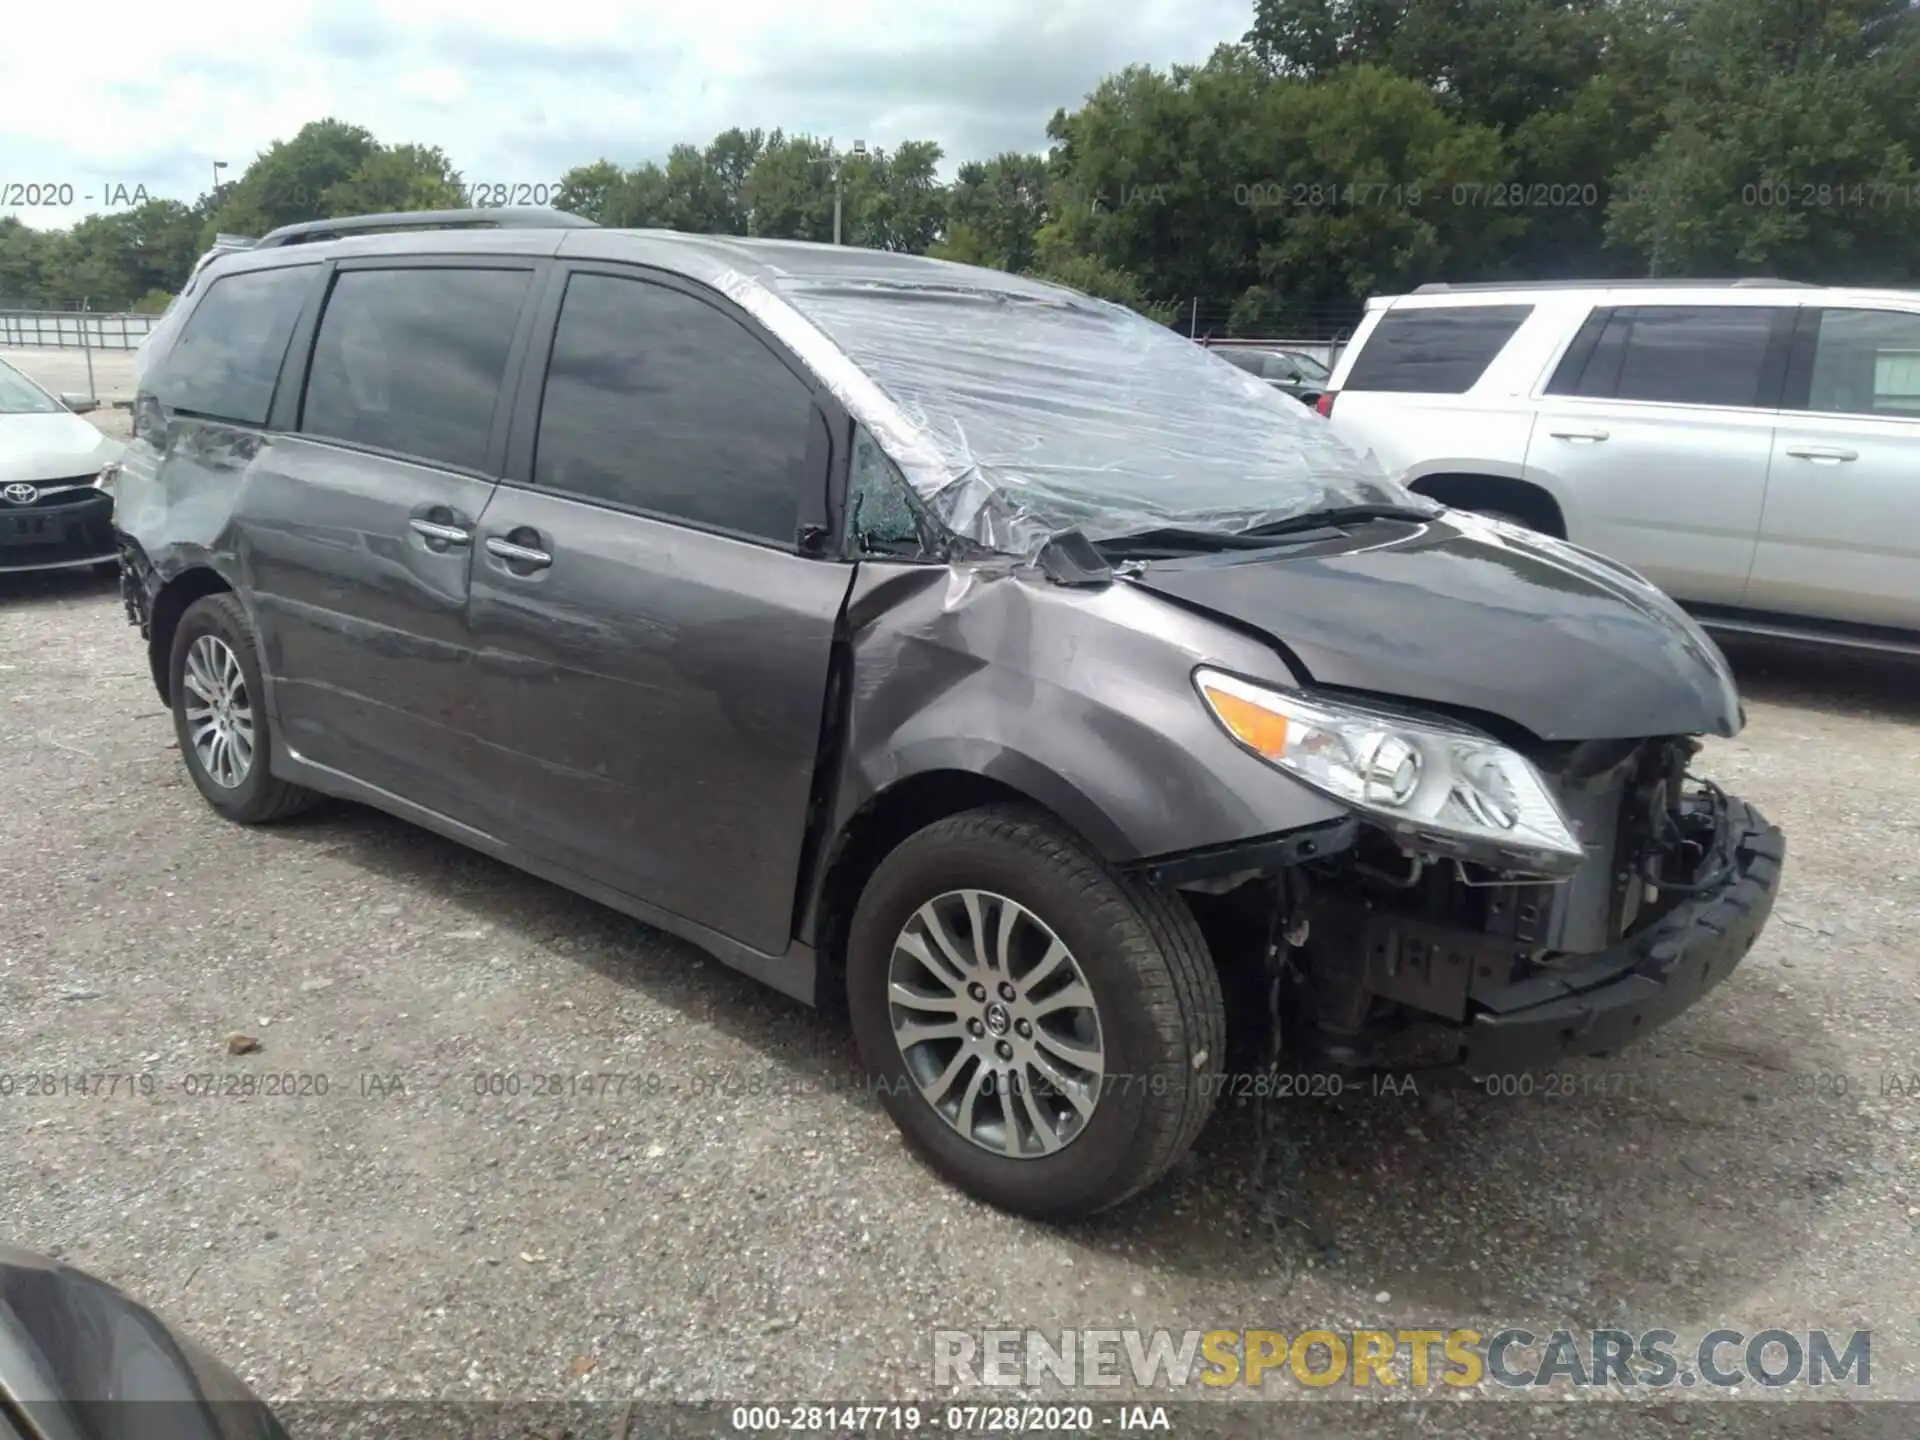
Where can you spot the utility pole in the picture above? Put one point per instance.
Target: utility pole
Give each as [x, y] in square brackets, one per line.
[218, 166]
[839, 189]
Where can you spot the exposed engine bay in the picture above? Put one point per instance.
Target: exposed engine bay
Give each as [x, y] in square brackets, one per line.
[1366, 946]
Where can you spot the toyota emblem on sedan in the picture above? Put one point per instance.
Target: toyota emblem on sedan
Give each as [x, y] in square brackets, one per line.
[21, 494]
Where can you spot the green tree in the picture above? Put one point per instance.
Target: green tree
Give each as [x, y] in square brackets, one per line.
[789, 192]
[404, 177]
[591, 190]
[288, 182]
[995, 209]
[22, 252]
[1784, 146]
[893, 201]
[1286, 194]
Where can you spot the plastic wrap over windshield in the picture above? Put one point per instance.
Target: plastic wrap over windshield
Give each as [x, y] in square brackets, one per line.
[1020, 413]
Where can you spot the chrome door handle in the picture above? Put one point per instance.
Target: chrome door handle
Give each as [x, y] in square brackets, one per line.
[447, 534]
[518, 554]
[1578, 434]
[1822, 452]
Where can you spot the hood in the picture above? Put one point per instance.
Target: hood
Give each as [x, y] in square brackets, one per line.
[84, 1361]
[55, 446]
[1467, 613]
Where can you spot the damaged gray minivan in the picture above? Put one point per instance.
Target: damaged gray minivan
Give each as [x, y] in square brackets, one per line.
[1059, 689]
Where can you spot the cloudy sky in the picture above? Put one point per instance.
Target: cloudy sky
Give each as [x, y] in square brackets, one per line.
[519, 93]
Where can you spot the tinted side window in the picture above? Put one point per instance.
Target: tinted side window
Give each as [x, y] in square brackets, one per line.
[1694, 355]
[1867, 362]
[1248, 360]
[1434, 352]
[411, 360]
[661, 402]
[1574, 364]
[229, 352]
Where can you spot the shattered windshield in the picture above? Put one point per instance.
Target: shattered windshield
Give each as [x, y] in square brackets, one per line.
[1043, 411]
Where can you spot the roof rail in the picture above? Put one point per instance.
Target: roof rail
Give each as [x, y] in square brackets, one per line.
[1443, 287]
[504, 217]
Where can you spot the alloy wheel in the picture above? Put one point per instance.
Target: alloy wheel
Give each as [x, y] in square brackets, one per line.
[219, 711]
[996, 1023]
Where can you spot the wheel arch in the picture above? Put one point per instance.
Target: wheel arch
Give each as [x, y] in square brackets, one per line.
[1475, 490]
[170, 602]
[965, 775]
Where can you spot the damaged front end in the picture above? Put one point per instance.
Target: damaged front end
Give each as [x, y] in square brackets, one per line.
[1392, 955]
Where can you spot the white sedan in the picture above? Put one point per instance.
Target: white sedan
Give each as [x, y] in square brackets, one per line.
[56, 512]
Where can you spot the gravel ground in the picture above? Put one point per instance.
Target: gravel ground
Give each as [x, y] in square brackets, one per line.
[405, 1235]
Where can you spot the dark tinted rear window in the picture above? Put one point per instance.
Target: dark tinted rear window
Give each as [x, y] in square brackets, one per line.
[1434, 352]
[230, 350]
[411, 360]
[1694, 355]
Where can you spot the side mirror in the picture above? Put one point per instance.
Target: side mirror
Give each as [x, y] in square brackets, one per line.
[79, 404]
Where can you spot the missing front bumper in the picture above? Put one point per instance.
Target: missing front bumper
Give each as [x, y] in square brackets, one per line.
[1613, 998]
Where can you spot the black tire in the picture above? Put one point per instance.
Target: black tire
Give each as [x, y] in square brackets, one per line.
[1162, 1021]
[261, 797]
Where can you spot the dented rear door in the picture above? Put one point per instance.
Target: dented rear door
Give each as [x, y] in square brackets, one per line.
[356, 530]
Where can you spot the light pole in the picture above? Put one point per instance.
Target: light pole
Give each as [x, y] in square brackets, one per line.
[839, 190]
[218, 166]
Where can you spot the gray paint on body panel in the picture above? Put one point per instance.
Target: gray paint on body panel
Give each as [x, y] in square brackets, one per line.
[1082, 699]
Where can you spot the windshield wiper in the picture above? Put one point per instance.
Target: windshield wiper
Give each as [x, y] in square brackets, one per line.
[1335, 516]
[1171, 541]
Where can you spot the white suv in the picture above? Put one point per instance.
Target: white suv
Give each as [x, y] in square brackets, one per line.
[1752, 447]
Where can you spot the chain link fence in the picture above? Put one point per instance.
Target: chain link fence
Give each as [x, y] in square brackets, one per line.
[1321, 331]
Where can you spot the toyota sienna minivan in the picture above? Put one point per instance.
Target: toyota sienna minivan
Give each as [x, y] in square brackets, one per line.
[1061, 694]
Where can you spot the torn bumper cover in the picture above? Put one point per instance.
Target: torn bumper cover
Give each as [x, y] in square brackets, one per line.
[1605, 1001]
[138, 584]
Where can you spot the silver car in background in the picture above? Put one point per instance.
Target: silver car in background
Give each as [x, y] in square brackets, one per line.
[55, 510]
[1750, 446]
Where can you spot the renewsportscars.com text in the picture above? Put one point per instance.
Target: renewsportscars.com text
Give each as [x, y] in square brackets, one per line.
[1418, 1359]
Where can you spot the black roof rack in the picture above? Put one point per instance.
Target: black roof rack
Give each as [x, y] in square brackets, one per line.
[1443, 287]
[504, 217]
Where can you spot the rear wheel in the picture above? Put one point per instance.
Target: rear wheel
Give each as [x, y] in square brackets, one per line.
[218, 716]
[1049, 1035]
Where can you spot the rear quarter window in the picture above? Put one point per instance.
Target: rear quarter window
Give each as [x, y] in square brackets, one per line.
[227, 360]
[1434, 351]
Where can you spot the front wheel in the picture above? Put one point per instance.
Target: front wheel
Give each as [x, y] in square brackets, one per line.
[1048, 1034]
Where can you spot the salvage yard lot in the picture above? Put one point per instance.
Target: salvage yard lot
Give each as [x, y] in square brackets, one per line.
[732, 1217]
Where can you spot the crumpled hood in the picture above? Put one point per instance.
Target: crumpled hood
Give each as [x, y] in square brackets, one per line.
[1466, 612]
[55, 446]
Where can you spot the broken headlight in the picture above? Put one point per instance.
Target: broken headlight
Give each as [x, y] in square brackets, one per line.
[1434, 785]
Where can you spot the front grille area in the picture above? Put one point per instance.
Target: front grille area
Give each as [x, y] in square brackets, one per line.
[53, 493]
[67, 526]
